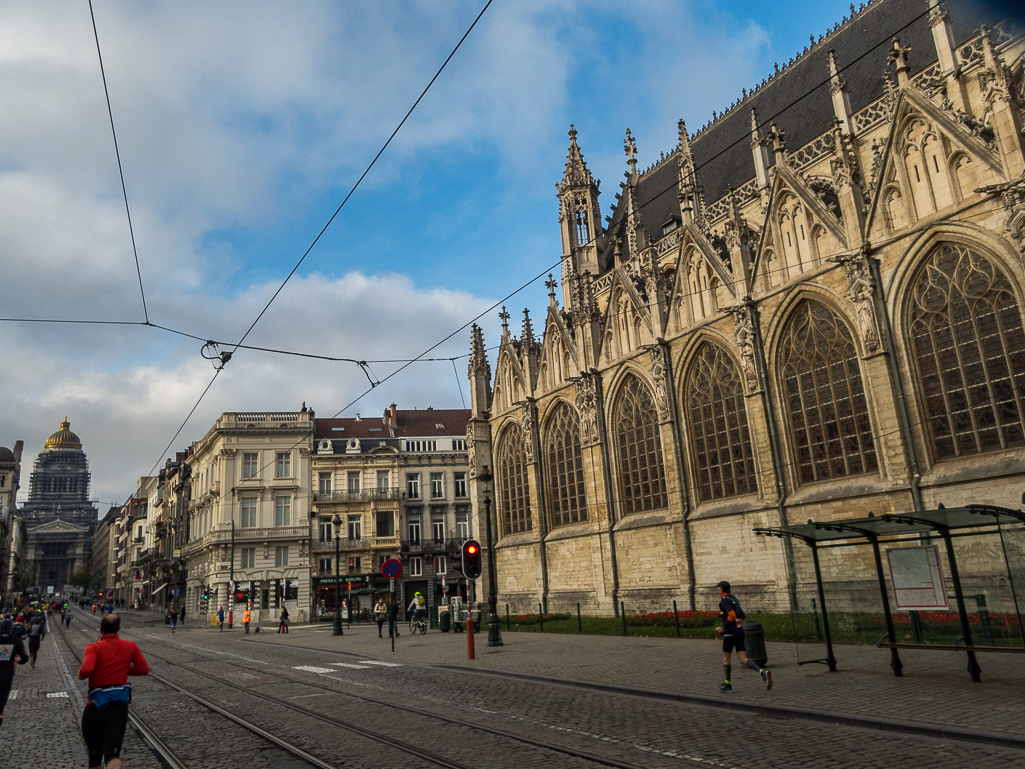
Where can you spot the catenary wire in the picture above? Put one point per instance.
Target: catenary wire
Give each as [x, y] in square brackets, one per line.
[117, 153]
[367, 171]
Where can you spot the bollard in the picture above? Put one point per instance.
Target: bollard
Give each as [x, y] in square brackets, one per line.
[987, 631]
[508, 621]
[542, 616]
[622, 613]
[676, 616]
[471, 652]
[580, 626]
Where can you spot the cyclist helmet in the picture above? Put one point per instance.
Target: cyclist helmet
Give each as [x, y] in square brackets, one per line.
[418, 594]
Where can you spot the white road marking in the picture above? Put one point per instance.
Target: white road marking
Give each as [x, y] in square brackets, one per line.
[384, 664]
[347, 665]
[51, 695]
[14, 695]
[312, 669]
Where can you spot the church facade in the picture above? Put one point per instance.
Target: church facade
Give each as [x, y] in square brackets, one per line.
[812, 307]
[59, 518]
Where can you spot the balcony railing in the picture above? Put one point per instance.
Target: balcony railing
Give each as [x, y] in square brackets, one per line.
[366, 543]
[355, 496]
[443, 545]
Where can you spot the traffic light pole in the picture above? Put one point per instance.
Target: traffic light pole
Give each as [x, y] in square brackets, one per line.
[231, 577]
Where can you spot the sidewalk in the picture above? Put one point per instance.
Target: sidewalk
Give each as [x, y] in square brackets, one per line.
[935, 694]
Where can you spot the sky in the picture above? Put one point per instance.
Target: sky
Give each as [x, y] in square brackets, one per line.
[241, 127]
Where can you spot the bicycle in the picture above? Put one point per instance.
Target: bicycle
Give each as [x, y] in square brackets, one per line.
[417, 623]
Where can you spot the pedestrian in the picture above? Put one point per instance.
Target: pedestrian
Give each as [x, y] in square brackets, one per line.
[380, 614]
[67, 619]
[246, 617]
[172, 615]
[12, 651]
[732, 628]
[35, 637]
[283, 626]
[181, 615]
[393, 619]
[220, 617]
[107, 663]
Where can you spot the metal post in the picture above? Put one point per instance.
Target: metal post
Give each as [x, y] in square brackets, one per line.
[508, 619]
[984, 626]
[337, 630]
[676, 617]
[231, 577]
[494, 624]
[580, 626]
[895, 663]
[622, 613]
[830, 659]
[966, 630]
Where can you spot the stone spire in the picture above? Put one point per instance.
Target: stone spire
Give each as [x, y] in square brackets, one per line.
[576, 174]
[630, 148]
[687, 183]
[763, 160]
[841, 99]
[898, 56]
[579, 218]
[479, 371]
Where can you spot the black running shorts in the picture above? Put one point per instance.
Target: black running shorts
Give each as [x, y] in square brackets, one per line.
[733, 642]
[104, 731]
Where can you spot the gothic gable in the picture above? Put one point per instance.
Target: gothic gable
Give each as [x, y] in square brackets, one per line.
[558, 353]
[511, 384]
[627, 325]
[932, 160]
[702, 283]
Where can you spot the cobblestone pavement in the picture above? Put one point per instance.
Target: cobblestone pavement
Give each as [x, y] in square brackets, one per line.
[431, 674]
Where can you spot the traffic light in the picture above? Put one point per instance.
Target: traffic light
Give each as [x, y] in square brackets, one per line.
[471, 559]
[206, 593]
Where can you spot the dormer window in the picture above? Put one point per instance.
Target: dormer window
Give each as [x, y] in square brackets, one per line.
[669, 226]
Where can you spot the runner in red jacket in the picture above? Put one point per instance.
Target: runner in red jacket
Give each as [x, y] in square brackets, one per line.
[107, 664]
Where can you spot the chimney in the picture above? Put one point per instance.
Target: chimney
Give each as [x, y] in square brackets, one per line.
[393, 419]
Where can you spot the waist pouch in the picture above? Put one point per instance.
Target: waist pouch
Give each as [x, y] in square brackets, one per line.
[102, 696]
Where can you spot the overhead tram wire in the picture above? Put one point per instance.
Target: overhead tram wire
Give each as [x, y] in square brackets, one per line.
[217, 373]
[120, 170]
[367, 171]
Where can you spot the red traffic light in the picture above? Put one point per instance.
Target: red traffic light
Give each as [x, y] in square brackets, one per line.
[471, 565]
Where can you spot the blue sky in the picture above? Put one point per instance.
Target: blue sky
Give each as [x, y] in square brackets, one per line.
[241, 128]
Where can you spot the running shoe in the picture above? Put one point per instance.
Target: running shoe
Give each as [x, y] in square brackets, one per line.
[725, 688]
[767, 677]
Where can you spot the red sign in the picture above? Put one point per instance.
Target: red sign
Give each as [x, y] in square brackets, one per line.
[391, 569]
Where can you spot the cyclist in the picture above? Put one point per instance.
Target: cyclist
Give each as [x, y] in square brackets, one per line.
[419, 607]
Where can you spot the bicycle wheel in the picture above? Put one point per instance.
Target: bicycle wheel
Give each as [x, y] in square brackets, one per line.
[412, 626]
[423, 627]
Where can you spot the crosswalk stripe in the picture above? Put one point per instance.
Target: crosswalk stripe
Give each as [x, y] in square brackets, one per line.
[312, 669]
[347, 665]
[383, 664]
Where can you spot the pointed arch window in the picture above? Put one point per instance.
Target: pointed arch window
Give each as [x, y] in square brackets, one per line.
[825, 397]
[513, 489]
[969, 351]
[720, 441]
[642, 478]
[565, 468]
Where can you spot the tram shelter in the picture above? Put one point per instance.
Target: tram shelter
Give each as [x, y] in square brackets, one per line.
[943, 579]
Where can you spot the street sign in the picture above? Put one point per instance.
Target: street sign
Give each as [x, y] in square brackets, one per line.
[391, 569]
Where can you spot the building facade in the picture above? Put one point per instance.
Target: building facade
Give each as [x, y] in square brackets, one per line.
[812, 307]
[103, 564]
[59, 518]
[10, 482]
[248, 516]
[397, 487]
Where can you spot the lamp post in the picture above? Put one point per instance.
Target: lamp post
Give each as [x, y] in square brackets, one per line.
[338, 577]
[494, 624]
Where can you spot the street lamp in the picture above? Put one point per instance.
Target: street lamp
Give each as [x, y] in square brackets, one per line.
[338, 577]
[494, 625]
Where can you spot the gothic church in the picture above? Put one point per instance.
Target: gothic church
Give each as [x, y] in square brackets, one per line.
[812, 307]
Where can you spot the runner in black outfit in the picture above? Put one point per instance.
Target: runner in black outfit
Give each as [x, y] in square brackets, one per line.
[732, 629]
[12, 651]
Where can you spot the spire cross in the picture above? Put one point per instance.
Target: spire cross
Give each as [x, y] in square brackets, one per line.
[505, 318]
[550, 284]
[630, 147]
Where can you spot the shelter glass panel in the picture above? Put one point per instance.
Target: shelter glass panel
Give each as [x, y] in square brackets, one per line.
[720, 442]
[969, 351]
[642, 481]
[825, 398]
[565, 468]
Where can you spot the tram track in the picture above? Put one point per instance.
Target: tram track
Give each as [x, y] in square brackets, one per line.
[472, 726]
[164, 753]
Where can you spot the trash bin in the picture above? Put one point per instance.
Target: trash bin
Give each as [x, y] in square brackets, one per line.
[444, 619]
[754, 642]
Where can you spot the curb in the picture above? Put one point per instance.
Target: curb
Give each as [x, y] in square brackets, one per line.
[1002, 739]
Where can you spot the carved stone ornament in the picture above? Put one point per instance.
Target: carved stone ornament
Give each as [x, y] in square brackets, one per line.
[227, 452]
[658, 375]
[860, 292]
[528, 432]
[744, 336]
[1012, 196]
[469, 438]
[587, 409]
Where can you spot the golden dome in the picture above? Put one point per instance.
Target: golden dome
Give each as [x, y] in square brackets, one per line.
[64, 438]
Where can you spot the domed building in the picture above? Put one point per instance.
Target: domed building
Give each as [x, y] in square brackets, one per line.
[59, 517]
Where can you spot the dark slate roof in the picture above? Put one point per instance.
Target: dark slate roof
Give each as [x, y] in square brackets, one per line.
[411, 423]
[799, 102]
[6, 455]
[354, 428]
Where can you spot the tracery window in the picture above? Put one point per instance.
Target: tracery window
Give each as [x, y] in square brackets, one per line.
[514, 492]
[825, 397]
[565, 467]
[642, 481]
[969, 349]
[720, 442]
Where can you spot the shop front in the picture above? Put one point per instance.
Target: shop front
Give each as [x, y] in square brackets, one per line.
[356, 592]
